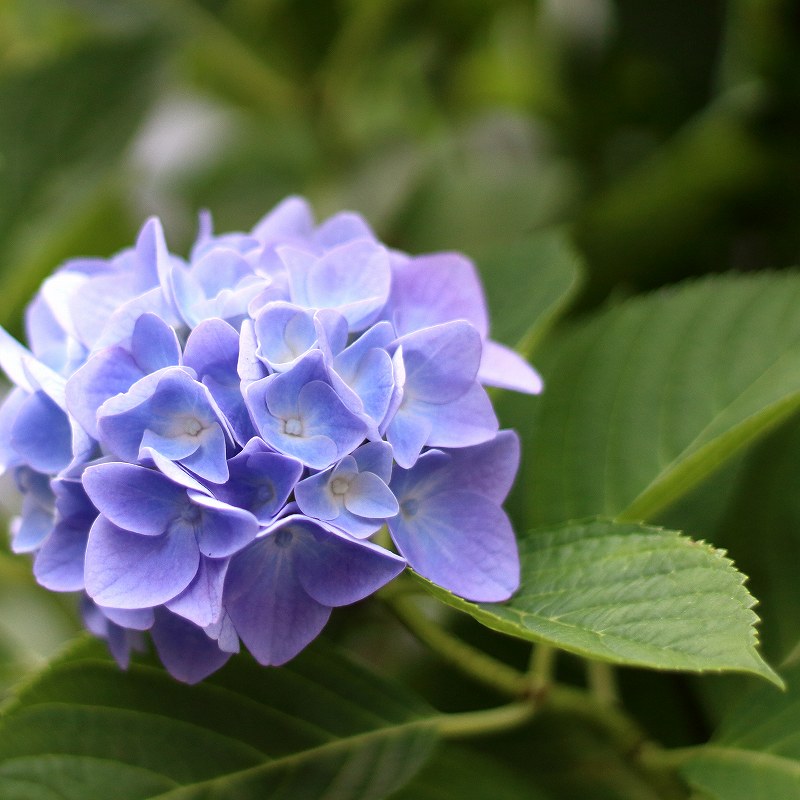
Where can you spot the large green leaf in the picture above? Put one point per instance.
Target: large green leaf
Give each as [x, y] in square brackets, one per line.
[755, 514]
[319, 727]
[529, 282]
[646, 399]
[63, 122]
[756, 753]
[628, 594]
[462, 774]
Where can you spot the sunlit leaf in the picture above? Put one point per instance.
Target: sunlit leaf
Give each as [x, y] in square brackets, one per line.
[628, 594]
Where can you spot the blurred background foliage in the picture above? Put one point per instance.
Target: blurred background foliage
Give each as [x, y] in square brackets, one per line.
[662, 136]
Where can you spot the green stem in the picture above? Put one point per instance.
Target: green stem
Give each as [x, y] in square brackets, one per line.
[468, 659]
[481, 723]
[542, 664]
[535, 691]
[602, 683]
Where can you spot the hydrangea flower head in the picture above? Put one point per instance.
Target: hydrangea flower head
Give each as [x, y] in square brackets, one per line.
[206, 446]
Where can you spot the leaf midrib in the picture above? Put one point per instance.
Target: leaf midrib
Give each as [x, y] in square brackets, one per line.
[344, 743]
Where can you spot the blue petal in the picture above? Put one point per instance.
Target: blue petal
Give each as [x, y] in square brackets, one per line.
[260, 481]
[375, 457]
[285, 333]
[270, 610]
[314, 497]
[41, 434]
[368, 496]
[353, 278]
[336, 570]
[58, 566]
[432, 289]
[138, 619]
[107, 373]
[461, 541]
[508, 370]
[323, 414]
[154, 344]
[223, 529]
[469, 420]
[134, 498]
[128, 570]
[185, 650]
[441, 362]
[201, 601]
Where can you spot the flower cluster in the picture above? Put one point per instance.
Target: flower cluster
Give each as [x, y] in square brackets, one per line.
[205, 447]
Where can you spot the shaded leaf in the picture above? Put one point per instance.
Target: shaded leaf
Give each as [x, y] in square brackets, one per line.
[529, 282]
[320, 726]
[458, 773]
[63, 120]
[646, 399]
[756, 753]
[628, 594]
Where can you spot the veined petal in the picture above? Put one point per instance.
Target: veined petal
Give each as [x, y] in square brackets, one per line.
[461, 541]
[272, 613]
[128, 570]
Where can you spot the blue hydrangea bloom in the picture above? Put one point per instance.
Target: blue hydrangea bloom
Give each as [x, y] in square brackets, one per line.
[206, 445]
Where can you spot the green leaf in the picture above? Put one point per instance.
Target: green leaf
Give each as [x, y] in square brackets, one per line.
[457, 772]
[529, 283]
[646, 399]
[756, 753]
[64, 121]
[628, 594]
[318, 727]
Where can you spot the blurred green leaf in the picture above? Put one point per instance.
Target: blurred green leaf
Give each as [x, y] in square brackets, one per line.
[529, 283]
[64, 121]
[628, 594]
[646, 399]
[320, 727]
[463, 774]
[756, 753]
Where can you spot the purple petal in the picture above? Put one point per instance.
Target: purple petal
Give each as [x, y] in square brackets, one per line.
[154, 344]
[429, 290]
[469, 420]
[461, 541]
[260, 481]
[271, 612]
[291, 218]
[138, 619]
[201, 601]
[488, 468]
[128, 570]
[223, 529]
[441, 362]
[185, 650]
[336, 570]
[58, 566]
[134, 498]
[368, 496]
[343, 227]
[407, 434]
[506, 369]
[107, 373]
[42, 435]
